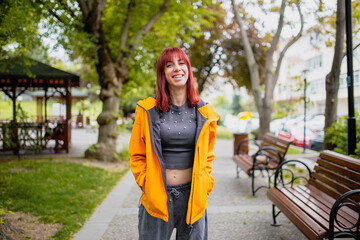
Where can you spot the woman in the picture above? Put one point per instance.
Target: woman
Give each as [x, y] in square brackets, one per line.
[171, 153]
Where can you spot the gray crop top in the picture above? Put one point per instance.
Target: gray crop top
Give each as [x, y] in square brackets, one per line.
[177, 130]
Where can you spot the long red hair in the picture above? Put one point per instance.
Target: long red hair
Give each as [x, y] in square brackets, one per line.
[163, 99]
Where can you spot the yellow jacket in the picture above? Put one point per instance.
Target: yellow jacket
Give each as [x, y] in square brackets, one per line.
[148, 166]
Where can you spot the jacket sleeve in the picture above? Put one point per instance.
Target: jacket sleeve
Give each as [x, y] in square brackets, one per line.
[137, 148]
[210, 155]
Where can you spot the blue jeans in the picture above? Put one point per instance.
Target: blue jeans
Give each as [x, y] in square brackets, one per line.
[155, 228]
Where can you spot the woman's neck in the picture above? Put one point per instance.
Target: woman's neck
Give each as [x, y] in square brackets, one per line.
[178, 96]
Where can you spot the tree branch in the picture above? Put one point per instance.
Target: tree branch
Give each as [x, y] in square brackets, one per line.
[250, 58]
[275, 40]
[289, 44]
[102, 5]
[354, 48]
[83, 7]
[67, 8]
[146, 28]
[52, 13]
[125, 31]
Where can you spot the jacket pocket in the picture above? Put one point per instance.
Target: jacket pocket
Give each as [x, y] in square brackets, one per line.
[210, 182]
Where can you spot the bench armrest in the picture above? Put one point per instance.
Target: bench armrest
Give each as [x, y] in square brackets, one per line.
[245, 141]
[349, 200]
[264, 152]
[282, 169]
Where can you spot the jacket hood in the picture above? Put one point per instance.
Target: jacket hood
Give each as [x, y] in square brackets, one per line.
[206, 110]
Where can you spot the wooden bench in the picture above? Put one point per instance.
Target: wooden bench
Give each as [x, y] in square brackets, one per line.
[270, 154]
[328, 205]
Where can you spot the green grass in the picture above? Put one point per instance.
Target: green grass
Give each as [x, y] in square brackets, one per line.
[57, 192]
[293, 150]
[223, 133]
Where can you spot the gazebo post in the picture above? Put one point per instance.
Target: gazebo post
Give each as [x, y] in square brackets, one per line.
[14, 127]
[67, 136]
[45, 106]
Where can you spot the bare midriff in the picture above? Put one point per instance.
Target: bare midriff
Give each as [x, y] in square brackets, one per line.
[178, 176]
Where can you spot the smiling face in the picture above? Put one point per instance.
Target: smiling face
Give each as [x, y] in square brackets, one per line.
[176, 73]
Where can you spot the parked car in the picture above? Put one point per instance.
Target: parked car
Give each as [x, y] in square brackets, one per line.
[296, 134]
[317, 142]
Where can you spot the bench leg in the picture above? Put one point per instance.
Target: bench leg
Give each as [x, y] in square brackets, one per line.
[237, 171]
[274, 215]
[253, 183]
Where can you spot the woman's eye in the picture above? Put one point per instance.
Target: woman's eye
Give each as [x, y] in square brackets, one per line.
[181, 63]
[168, 65]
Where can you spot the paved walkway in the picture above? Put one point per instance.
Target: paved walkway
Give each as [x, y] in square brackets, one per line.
[232, 212]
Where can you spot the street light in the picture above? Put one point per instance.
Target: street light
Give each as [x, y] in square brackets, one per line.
[350, 79]
[305, 83]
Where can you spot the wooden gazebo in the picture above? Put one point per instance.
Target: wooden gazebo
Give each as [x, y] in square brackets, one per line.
[15, 79]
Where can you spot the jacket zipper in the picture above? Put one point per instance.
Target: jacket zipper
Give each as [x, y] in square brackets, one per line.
[193, 179]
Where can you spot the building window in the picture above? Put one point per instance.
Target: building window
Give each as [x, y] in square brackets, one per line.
[314, 63]
[357, 78]
[343, 81]
[357, 105]
[317, 86]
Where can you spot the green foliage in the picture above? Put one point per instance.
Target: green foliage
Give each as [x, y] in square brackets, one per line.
[205, 51]
[285, 108]
[337, 138]
[4, 206]
[19, 26]
[58, 192]
[326, 16]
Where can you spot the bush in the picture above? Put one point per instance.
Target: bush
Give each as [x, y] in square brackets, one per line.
[336, 136]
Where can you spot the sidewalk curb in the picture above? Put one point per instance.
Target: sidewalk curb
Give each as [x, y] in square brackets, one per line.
[97, 224]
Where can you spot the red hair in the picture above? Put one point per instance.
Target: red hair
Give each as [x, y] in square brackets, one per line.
[163, 99]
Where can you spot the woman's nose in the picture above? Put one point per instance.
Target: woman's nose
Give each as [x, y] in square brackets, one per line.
[176, 67]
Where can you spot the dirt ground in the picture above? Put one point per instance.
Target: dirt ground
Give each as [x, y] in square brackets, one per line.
[30, 227]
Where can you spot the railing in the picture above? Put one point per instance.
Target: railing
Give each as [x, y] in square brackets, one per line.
[32, 136]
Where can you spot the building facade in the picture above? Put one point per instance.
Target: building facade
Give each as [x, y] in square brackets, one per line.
[310, 58]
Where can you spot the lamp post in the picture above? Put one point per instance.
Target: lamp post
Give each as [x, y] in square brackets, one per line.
[350, 80]
[305, 83]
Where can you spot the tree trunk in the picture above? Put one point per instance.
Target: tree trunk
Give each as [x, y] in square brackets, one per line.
[264, 118]
[332, 78]
[111, 84]
[263, 103]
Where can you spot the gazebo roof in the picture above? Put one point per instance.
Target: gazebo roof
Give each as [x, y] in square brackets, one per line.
[37, 75]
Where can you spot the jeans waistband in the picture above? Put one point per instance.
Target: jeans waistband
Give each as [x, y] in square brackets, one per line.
[180, 187]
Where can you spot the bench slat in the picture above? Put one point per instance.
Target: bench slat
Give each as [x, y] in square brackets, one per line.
[331, 192]
[314, 214]
[318, 206]
[314, 191]
[333, 185]
[341, 159]
[340, 178]
[339, 169]
[310, 228]
[312, 195]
